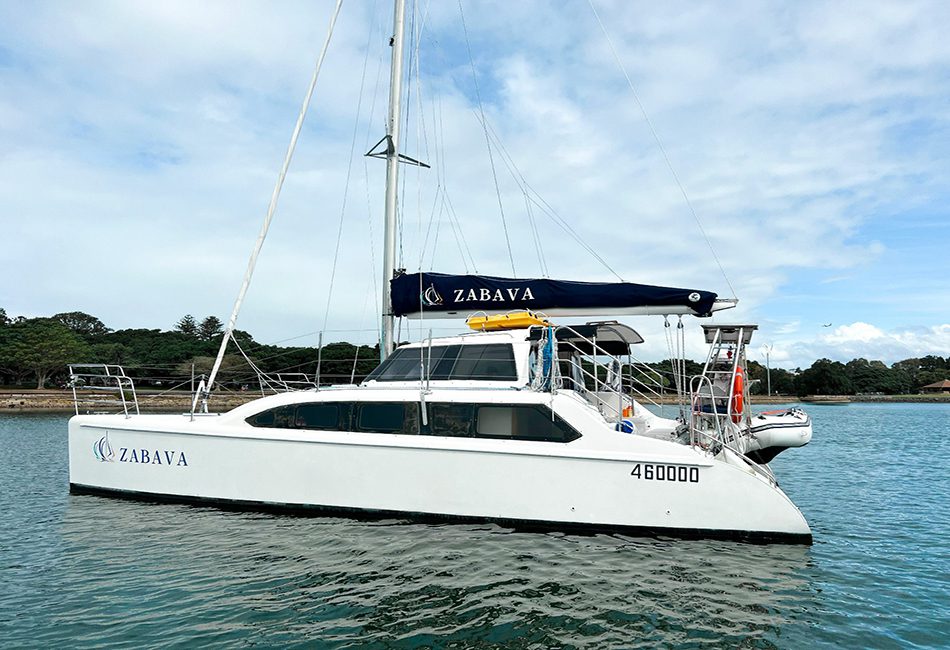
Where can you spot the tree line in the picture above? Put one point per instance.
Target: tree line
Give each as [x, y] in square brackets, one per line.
[36, 351]
[856, 377]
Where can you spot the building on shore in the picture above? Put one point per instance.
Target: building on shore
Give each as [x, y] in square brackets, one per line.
[937, 387]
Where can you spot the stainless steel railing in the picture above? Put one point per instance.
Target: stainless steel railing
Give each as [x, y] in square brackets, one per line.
[98, 385]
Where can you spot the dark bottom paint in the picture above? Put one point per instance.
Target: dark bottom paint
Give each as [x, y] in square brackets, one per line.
[765, 456]
[751, 537]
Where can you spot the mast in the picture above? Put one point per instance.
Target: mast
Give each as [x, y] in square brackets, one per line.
[392, 177]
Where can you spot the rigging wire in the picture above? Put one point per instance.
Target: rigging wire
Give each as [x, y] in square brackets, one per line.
[421, 141]
[263, 377]
[535, 235]
[448, 209]
[541, 203]
[660, 146]
[438, 138]
[491, 157]
[356, 355]
[369, 198]
[437, 169]
[515, 174]
[534, 196]
[425, 241]
[676, 346]
[401, 193]
[349, 172]
[443, 200]
[463, 241]
[271, 208]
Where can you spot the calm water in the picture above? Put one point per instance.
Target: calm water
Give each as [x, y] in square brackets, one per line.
[87, 571]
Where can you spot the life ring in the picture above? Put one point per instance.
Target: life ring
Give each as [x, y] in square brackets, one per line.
[737, 389]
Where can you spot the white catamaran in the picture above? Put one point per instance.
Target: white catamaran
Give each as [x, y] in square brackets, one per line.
[521, 421]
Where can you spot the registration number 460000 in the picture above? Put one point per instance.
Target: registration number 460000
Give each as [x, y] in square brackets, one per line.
[676, 473]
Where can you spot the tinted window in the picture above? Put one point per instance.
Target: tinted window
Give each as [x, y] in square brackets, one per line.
[387, 417]
[317, 416]
[281, 417]
[265, 419]
[450, 420]
[522, 422]
[303, 416]
[516, 422]
[443, 361]
[487, 362]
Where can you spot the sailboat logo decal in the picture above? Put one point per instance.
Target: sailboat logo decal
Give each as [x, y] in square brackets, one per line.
[431, 297]
[103, 450]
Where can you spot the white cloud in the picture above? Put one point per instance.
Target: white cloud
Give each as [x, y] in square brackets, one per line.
[140, 143]
[788, 328]
[862, 340]
[854, 333]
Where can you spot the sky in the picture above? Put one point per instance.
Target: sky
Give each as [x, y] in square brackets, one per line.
[140, 144]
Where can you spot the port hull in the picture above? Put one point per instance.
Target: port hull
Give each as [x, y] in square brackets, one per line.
[520, 525]
[524, 485]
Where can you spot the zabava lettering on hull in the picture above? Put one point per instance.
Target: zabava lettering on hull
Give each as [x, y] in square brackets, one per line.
[153, 456]
[513, 294]
[103, 451]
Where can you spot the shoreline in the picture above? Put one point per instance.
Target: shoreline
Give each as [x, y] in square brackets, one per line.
[61, 401]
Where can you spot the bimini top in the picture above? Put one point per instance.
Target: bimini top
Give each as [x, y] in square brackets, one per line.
[611, 337]
[440, 294]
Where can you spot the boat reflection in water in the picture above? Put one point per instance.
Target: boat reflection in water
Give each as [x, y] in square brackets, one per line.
[346, 581]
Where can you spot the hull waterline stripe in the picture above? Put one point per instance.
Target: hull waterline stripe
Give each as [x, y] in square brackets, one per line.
[528, 525]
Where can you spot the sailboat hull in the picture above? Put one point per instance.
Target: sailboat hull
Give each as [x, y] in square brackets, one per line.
[682, 493]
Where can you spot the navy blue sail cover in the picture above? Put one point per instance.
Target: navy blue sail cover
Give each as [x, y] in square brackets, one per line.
[440, 292]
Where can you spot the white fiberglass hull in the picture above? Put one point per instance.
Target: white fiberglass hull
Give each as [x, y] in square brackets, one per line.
[684, 492]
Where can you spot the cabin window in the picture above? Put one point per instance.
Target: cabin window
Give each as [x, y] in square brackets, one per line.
[387, 417]
[265, 419]
[514, 421]
[318, 416]
[281, 417]
[454, 420]
[492, 362]
[509, 421]
[485, 362]
[522, 422]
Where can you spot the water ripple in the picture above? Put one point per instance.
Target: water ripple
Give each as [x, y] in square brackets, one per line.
[86, 571]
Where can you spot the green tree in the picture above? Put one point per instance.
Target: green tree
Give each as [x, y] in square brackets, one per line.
[869, 376]
[825, 377]
[113, 353]
[210, 327]
[783, 382]
[42, 346]
[82, 323]
[233, 368]
[187, 325]
[4, 319]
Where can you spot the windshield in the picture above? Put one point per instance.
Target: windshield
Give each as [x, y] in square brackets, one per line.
[495, 362]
